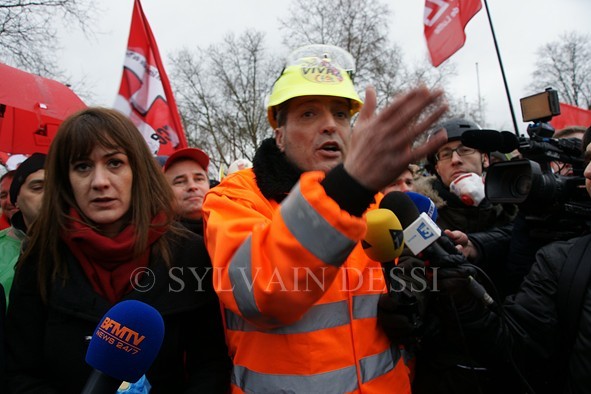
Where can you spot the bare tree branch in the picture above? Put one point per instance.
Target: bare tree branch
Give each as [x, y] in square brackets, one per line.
[566, 66]
[28, 31]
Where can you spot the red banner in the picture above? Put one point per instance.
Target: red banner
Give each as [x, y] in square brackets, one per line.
[145, 94]
[571, 115]
[445, 21]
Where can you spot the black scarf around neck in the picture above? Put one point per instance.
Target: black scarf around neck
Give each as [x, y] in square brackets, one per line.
[274, 174]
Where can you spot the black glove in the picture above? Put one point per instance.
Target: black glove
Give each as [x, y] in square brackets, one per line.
[460, 287]
[400, 317]
[444, 254]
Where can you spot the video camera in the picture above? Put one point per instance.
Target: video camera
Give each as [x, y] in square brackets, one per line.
[530, 181]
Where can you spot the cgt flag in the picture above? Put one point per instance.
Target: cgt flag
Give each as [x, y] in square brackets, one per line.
[145, 95]
[445, 21]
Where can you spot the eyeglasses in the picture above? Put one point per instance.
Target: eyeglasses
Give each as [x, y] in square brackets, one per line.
[461, 150]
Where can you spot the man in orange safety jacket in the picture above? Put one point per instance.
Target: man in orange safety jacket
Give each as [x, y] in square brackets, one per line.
[299, 295]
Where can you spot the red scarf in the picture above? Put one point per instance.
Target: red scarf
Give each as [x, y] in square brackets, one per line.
[108, 262]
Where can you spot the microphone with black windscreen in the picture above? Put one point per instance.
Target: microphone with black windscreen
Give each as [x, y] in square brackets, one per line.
[490, 140]
[124, 346]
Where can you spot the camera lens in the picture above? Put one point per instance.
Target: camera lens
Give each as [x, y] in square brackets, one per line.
[522, 186]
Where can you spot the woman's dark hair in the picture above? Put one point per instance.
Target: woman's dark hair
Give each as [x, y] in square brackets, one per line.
[75, 139]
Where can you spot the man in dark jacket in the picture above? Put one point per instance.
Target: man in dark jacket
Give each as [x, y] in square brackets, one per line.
[444, 365]
[533, 324]
[453, 166]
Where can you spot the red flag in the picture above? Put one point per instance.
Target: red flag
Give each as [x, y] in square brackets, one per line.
[445, 21]
[145, 94]
[571, 115]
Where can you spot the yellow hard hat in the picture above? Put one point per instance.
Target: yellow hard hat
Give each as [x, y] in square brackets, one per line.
[314, 70]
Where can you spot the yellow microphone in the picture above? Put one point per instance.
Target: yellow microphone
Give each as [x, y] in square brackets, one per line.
[384, 239]
[384, 242]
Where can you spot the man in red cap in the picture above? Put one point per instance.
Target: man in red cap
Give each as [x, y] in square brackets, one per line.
[186, 172]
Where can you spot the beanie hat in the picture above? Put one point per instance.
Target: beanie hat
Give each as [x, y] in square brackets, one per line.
[33, 164]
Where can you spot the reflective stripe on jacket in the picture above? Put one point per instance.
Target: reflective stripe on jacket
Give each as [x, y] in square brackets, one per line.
[299, 294]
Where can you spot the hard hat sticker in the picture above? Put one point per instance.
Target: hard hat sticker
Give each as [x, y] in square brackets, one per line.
[322, 71]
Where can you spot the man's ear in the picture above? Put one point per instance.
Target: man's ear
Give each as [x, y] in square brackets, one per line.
[280, 138]
[485, 161]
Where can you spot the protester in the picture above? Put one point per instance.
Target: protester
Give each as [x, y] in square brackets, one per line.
[26, 193]
[105, 234]
[186, 172]
[544, 327]
[6, 206]
[297, 217]
[405, 182]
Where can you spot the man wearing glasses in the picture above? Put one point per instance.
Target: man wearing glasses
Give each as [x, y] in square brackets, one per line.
[443, 364]
[457, 187]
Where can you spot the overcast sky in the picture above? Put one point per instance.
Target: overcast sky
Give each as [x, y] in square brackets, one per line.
[521, 27]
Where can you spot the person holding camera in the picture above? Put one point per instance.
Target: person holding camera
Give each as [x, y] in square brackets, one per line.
[544, 327]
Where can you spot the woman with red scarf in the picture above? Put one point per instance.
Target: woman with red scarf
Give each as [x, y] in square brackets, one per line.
[105, 234]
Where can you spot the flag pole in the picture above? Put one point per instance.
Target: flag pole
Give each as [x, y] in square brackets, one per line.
[492, 30]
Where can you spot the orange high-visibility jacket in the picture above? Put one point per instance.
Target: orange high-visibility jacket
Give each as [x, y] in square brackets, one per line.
[299, 295]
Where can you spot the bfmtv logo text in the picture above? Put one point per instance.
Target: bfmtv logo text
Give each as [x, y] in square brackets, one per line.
[122, 337]
[425, 231]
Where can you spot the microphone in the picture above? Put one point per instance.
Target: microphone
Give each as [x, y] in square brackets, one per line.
[510, 142]
[124, 345]
[421, 234]
[423, 204]
[420, 231]
[490, 140]
[383, 240]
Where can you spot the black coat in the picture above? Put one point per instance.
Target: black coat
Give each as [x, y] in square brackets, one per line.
[46, 344]
[531, 331]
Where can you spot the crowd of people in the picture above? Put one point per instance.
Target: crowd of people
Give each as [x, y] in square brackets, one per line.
[262, 280]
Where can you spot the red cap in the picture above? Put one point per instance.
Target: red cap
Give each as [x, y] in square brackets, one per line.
[188, 153]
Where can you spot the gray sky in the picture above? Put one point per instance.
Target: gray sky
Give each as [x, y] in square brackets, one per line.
[521, 26]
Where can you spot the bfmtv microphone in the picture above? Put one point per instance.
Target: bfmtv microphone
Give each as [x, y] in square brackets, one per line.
[123, 347]
[383, 240]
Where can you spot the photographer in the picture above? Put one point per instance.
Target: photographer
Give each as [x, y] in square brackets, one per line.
[547, 186]
[544, 327]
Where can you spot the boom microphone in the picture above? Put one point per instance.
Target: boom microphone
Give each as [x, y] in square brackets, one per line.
[124, 345]
[490, 140]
